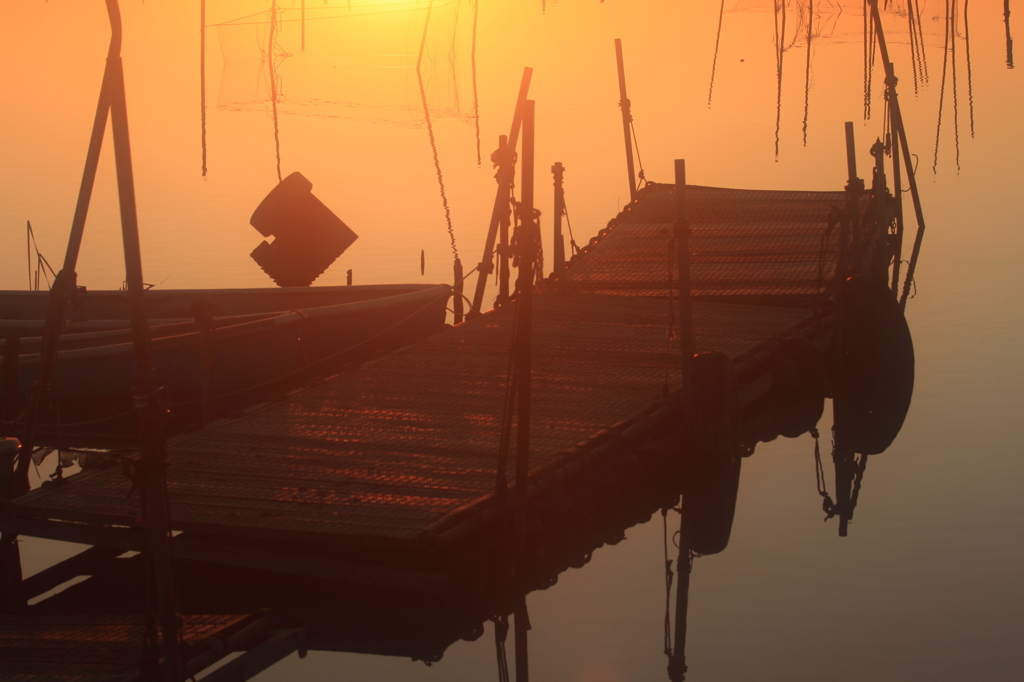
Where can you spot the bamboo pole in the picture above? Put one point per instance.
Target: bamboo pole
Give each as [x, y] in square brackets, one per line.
[457, 292]
[627, 119]
[558, 170]
[486, 265]
[529, 243]
[682, 237]
[145, 389]
[506, 170]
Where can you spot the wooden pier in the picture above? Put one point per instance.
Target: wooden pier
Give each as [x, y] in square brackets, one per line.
[379, 475]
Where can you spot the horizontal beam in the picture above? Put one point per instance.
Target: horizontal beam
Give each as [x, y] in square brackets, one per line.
[183, 547]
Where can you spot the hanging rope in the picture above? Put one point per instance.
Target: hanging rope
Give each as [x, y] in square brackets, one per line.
[500, 635]
[41, 262]
[640, 162]
[273, 83]
[572, 240]
[827, 505]
[524, 241]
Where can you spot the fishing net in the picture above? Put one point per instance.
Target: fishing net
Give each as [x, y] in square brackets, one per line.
[351, 59]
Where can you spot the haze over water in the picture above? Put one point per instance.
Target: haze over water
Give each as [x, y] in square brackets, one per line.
[928, 584]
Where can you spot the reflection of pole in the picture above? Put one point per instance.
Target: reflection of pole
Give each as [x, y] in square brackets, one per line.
[843, 458]
[1009, 40]
[897, 116]
[202, 76]
[522, 626]
[500, 204]
[677, 662]
[627, 118]
[303, 25]
[559, 245]
[897, 188]
[528, 243]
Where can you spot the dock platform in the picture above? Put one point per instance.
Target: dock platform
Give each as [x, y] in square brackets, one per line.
[373, 474]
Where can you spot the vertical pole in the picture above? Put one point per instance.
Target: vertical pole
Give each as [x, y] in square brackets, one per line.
[486, 264]
[627, 119]
[348, 277]
[682, 237]
[559, 244]
[506, 169]
[851, 154]
[145, 390]
[528, 244]
[877, 259]
[854, 188]
[457, 292]
[12, 351]
[10, 554]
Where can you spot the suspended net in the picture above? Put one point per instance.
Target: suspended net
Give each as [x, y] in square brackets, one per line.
[351, 59]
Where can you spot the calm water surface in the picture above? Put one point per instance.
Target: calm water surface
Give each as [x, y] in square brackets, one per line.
[928, 584]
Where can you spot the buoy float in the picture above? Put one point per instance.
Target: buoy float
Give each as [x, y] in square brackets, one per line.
[875, 374]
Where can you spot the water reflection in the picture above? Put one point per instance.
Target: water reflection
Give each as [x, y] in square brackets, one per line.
[483, 589]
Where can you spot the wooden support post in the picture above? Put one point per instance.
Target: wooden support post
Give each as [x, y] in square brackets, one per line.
[348, 277]
[145, 389]
[10, 555]
[851, 154]
[682, 237]
[627, 119]
[12, 352]
[854, 189]
[559, 244]
[529, 243]
[506, 171]
[486, 265]
[457, 292]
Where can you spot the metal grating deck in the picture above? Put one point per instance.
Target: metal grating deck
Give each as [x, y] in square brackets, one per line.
[386, 451]
[742, 243]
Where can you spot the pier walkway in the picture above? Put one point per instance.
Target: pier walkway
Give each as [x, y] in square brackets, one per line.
[399, 454]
